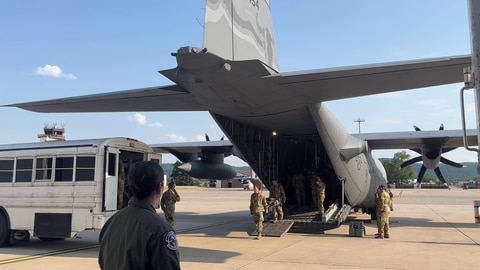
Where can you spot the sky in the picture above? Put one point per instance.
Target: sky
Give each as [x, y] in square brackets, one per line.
[55, 48]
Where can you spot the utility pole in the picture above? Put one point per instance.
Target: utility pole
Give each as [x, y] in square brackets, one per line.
[359, 120]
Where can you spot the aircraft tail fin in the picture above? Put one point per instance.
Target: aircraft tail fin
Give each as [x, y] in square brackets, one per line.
[240, 30]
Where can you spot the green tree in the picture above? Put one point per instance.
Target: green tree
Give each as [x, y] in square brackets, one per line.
[395, 174]
[427, 178]
[181, 178]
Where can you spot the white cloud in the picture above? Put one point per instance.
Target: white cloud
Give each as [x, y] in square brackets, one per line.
[200, 138]
[142, 120]
[177, 138]
[139, 118]
[155, 125]
[54, 71]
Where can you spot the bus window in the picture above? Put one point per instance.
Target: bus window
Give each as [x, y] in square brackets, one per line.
[63, 169]
[24, 170]
[43, 169]
[85, 170]
[112, 157]
[6, 170]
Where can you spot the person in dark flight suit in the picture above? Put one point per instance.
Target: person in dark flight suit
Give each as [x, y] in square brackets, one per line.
[136, 237]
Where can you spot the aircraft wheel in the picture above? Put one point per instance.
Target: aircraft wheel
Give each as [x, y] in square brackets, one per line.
[4, 231]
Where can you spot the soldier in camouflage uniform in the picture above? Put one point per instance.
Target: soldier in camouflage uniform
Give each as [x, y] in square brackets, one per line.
[384, 205]
[258, 204]
[299, 183]
[313, 187]
[278, 194]
[121, 184]
[320, 185]
[390, 193]
[167, 203]
[378, 209]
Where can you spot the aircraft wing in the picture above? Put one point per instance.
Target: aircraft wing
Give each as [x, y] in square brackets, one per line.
[418, 139]
[188, 151]
[311, 86]
[354, 81]
[161, 98]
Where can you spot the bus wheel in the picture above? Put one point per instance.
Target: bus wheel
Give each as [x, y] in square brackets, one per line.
[21, 236]
[4, 231]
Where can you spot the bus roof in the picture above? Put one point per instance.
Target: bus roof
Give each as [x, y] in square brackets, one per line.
[63, 144]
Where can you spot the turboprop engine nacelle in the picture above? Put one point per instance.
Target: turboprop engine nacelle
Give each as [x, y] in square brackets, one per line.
[206, 170]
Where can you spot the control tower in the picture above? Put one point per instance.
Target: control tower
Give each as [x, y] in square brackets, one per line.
[52, 133]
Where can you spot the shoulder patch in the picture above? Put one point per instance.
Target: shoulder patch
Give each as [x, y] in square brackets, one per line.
[171, 240]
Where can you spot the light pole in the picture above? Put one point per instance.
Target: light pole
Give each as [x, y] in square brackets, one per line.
[359, 120]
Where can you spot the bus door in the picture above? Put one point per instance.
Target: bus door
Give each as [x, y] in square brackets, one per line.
[111, 178]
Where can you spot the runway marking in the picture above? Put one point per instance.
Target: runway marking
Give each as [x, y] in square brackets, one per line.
[46, 254]
[453, 226]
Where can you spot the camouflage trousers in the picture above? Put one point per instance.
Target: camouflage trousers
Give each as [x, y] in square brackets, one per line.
[258, 219]
[378, 215]
[384, 220]
[300, 194]
[170, 217]
[277, 211]
[320, 199]
[314, 196]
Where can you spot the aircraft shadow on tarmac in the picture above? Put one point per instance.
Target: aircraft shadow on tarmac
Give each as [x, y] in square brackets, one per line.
[189, 254]
[218, 224]
[420, 222]
[61, 248]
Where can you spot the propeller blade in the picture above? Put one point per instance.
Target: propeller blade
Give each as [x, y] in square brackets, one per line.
[416, 128]
[441, 127]
[206, 137]
[439, 175]
[451, 163]
[410, 162]
[421, 173]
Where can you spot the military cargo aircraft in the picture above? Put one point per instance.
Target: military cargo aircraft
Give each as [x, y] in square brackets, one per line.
[276, 122]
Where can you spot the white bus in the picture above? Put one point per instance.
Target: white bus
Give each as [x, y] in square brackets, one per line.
[55, 189]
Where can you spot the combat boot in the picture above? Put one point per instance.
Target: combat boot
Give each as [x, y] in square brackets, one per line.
[259, 236]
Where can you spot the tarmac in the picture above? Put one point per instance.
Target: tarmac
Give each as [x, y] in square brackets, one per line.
[430, 229]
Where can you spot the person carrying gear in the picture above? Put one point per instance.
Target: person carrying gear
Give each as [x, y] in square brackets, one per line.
[320, 185]
[167, 203]
[278, 194]
[258, 205]
[384, 205]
